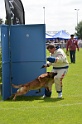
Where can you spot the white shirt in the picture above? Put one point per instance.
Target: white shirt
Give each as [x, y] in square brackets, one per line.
[61, 59]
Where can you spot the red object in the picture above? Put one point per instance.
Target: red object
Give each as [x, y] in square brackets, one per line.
[72, 44]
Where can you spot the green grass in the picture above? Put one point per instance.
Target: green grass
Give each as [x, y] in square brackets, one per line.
[0, 67]
[49, 110]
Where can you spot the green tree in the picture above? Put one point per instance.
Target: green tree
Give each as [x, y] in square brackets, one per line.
[1, 21]
[79, 30]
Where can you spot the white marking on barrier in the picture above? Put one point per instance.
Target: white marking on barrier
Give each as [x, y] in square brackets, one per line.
[27, 35]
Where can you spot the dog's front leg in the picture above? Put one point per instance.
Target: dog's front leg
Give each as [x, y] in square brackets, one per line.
[11, 96]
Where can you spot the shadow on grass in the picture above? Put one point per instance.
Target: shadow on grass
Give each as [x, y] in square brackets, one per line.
[25, 98]
[47, 99]
[32, 98]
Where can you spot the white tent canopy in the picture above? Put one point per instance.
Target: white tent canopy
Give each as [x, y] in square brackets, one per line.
[49, 37]
[62, 35]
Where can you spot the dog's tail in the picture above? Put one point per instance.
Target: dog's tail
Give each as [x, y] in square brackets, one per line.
[16, 86]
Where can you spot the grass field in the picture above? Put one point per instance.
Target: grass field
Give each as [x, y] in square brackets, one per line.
[0, 67]
[68, 110]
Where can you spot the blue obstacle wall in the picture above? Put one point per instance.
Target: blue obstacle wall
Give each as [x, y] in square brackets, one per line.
[23, 54]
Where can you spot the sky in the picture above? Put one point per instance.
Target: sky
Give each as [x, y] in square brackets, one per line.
[57, 15]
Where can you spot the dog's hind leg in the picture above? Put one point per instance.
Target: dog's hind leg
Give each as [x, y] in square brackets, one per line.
[14, 98]
[17, 94]
[11, 96]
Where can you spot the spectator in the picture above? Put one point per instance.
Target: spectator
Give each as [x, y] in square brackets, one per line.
[72, 44]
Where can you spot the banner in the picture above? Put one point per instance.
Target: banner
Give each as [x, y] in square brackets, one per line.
[14, 12]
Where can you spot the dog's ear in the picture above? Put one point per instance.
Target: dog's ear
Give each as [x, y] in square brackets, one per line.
[48, 74]
[43, 75]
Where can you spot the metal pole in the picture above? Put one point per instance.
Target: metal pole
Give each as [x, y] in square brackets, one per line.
[44, 14]
[77, 15]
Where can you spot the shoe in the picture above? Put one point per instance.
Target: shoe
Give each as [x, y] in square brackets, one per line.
[60, 95]
[43, 96]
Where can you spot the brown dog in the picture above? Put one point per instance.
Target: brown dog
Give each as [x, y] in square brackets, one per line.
[44, 80]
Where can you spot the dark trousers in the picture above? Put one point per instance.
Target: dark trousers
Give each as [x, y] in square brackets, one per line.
[72, 56]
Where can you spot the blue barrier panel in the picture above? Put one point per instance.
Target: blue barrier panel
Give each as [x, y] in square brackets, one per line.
[28, 54]
[6, 87]
[24, 72]
[28, 43]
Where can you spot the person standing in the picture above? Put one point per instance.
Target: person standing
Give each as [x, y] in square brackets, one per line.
[60, 65]
[72, 44]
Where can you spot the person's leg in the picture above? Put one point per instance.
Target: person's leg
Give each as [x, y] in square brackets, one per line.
[58, 87]
[71, 59]
[47, 93]
[48, 89]
[73, 52]
[58, 81]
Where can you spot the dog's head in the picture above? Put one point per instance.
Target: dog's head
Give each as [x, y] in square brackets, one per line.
[51, 74]
[47, 75]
